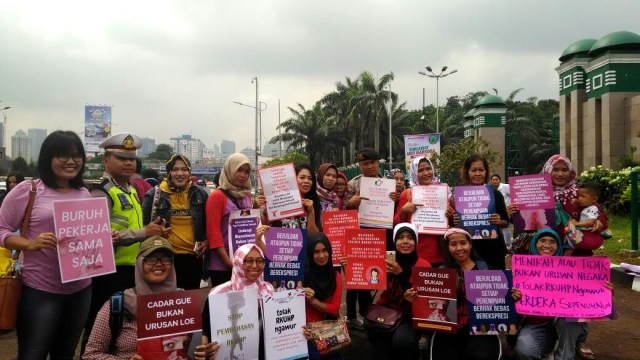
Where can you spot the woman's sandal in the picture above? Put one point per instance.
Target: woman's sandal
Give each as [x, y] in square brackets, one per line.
[585, 353]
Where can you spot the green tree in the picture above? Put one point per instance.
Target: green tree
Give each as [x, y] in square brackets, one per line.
[344, 121]
[452, 157]
[307, 130]
[20, 164]
[372, 103]
[293, 156]
[163, 152]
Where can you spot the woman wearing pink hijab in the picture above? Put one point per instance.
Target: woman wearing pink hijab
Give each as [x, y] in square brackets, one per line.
[247, 273]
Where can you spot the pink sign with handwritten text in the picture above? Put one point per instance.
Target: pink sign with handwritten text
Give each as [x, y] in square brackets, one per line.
[84, 238]
[563, 286]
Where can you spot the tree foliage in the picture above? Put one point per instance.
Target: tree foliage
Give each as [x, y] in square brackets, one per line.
[452, 156]
[20, 164]
[163, 152]
[293, 156]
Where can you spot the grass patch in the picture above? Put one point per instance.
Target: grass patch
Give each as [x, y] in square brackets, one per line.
[620, 226]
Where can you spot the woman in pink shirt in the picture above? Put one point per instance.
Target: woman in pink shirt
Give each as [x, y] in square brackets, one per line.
[51, 314]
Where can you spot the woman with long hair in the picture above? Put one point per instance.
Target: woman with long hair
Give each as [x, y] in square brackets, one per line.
[311, 221]
[460, 256]
[13, 178]
[51, 313]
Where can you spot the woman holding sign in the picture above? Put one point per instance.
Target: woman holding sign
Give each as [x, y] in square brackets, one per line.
[475, 171]
[248, 268]
[310, 200]
[322, 286]
[51, 314]
[233, 194]
[421, 174]
[154, 274]
[403, 341]
[460, 255]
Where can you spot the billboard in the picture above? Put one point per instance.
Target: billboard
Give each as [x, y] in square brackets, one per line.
[97, 126]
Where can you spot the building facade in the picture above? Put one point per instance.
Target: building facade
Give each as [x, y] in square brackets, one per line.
[37, 137]
[599, 83]
[188, 146]
[21, 146]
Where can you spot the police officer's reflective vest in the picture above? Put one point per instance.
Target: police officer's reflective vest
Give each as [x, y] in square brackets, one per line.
[126, 214]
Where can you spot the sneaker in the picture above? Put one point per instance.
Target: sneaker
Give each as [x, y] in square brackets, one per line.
[355, 323]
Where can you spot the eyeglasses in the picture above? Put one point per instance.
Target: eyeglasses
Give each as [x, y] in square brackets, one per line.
[153, 260]
[550, 242]
[75, 157]
[259, 262]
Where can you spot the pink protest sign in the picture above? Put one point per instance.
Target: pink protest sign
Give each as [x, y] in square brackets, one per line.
[563, 286]
[534, 196]
[84, 238]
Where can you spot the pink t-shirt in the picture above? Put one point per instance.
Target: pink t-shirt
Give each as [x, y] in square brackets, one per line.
[40, 268]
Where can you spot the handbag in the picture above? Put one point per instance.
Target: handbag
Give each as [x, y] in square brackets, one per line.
[380, 318]
[11, 284]
[329, 335]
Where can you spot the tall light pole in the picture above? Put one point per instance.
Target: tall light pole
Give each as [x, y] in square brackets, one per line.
[259, 109]
[442, 74]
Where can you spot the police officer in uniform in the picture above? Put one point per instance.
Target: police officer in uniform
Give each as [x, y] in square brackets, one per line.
[127, 229]
[369, 162]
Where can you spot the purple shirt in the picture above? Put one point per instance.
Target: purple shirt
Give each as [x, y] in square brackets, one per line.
[40, 268]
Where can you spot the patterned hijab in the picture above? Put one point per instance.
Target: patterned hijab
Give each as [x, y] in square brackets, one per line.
[328, 198]
[569, 191]
[144, 288]
[231, 165]
[413, 171]
[239, 281]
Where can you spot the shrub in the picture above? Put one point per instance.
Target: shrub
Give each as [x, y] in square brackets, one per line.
[615, 186]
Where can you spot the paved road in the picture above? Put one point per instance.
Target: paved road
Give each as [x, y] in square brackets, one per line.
[610, 340]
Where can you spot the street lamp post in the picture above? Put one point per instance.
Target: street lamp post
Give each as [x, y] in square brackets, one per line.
[259, 109]
[442, 74]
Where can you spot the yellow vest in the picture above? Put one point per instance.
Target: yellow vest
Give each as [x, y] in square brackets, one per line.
[126, 214]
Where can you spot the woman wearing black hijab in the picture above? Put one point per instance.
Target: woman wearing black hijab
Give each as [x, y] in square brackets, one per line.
[322, 286]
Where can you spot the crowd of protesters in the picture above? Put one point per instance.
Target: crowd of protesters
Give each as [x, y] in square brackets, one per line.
[169, 234]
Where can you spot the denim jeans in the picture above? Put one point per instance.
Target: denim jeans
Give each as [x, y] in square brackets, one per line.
[568, 333]
[50, 324]
[536, 340]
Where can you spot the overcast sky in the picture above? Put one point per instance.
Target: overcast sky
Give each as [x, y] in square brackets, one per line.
[175, 67]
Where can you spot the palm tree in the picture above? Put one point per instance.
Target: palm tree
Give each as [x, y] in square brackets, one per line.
[339, 107]
[373, 101]
[306, 129]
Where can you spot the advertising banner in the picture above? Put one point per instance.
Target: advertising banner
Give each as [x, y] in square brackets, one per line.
[97, 126]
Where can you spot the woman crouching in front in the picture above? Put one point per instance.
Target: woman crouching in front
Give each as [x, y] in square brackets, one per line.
[403, 341]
